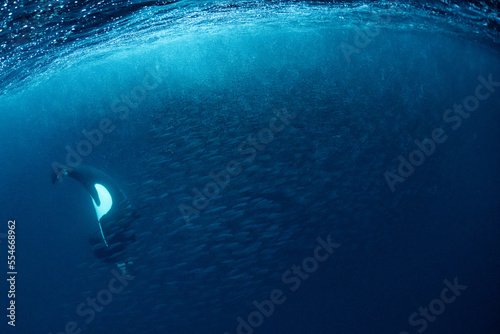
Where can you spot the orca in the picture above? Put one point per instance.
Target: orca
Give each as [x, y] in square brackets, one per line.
[114, 212]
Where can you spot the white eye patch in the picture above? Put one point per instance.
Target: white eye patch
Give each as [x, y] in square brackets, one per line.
[106, 201]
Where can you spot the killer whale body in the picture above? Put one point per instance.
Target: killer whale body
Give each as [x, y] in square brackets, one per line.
[113, 210]
[89, 176]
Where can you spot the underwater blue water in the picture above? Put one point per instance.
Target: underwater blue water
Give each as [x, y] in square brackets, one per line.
[327, 108]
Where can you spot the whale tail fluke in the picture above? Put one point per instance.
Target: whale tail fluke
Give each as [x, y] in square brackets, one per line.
[59, 175]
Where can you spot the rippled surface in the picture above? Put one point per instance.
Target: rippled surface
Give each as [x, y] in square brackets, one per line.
[188, 88]
[36, 33]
